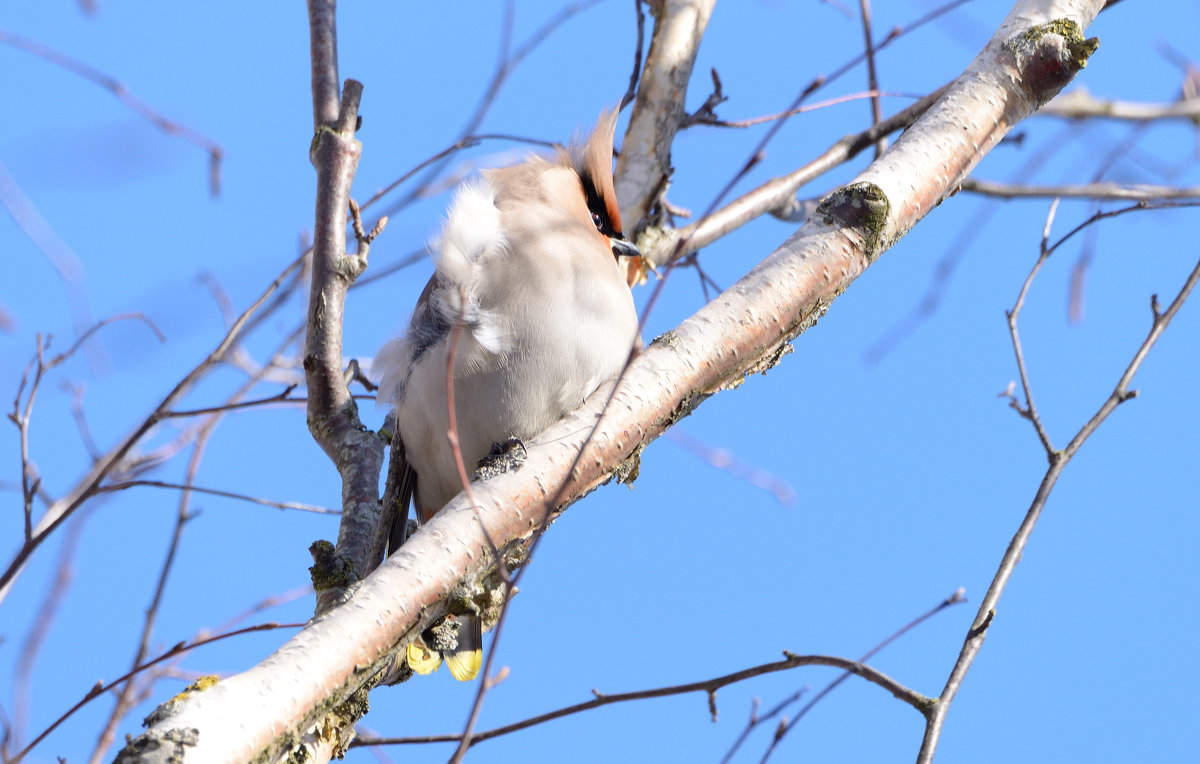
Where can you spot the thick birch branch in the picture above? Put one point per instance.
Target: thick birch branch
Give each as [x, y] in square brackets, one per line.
[317, 677]
[644, 166]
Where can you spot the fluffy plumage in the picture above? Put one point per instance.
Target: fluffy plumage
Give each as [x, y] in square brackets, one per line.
[528, 263]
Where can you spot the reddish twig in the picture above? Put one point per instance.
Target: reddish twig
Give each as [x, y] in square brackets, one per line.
[872, 76]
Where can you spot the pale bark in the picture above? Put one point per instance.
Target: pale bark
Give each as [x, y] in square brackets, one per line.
[306, 684]
[644, 167]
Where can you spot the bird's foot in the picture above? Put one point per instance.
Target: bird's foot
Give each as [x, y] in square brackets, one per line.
[504, 457]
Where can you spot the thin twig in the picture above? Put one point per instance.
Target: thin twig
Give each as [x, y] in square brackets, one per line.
[1131, 191]
[64, 574]
[707, 686]
[872, 76]
[56, 251]
[780, 192]
[121, 92]
[1080, 104]
[62, 508]
[76, 390]
[957, 597]
[102, 687]
[723, 460]
[636, 75]
[126, 695]
[281, 397]
[835, 101]
[505, 64]
[1029, 410]
[1016, 547]
[466, 142]
[216, 492]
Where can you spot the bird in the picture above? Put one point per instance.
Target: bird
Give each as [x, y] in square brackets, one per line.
[532, 293]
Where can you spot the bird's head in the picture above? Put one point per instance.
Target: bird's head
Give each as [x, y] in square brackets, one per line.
[591, 159]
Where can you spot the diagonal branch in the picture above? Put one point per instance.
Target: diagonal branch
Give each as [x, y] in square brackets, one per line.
[747, 329]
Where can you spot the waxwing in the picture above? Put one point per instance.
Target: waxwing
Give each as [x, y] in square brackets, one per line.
[532, 266]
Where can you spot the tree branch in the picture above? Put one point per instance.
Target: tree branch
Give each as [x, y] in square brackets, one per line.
[1132, 191]
[708, 686]
[1058, 462]
[332, 413]
[644, 166]
[745, 330]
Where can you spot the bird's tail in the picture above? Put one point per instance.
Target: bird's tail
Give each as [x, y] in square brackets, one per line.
[464, 659]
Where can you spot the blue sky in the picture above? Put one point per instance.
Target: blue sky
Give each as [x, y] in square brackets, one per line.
[910, 474]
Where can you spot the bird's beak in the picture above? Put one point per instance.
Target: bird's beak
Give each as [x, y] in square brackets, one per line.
[622, 248]
[634, 267]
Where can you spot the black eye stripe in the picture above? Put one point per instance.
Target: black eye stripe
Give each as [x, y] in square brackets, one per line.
[597, 206]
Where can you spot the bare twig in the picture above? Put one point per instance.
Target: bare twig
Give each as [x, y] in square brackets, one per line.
[636, 74]
[102, 687]
[872, 77]
[126, 695]
[755, 719]
[1080, 104]
[1029, 410]
[707, 687]
[64, 506]
[215, 492]
[281, 397]
[723, 460]
[956, 251]
[121, 92]
[779, 192]
[505, 64]
[957, 597]
[465, 142]
[1130, 191]
[64, 573]
[835, 101]
[76, 391]
[22, 415]
[1058, 462]
[56, 251]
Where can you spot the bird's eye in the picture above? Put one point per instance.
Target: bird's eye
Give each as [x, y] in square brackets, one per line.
[599, 221]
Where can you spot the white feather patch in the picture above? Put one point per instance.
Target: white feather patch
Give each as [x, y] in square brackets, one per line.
[390, 367]
[472, 235]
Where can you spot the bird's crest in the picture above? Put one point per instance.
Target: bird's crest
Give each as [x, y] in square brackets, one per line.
[592, 159]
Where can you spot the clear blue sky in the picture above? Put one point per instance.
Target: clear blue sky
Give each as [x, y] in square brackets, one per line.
[910, 474]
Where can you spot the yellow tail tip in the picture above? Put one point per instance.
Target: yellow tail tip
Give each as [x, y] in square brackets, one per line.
[464, 665]
[422, 660]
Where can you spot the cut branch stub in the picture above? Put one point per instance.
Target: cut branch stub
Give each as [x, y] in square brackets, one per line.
[861, 208]
[1050, 55]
